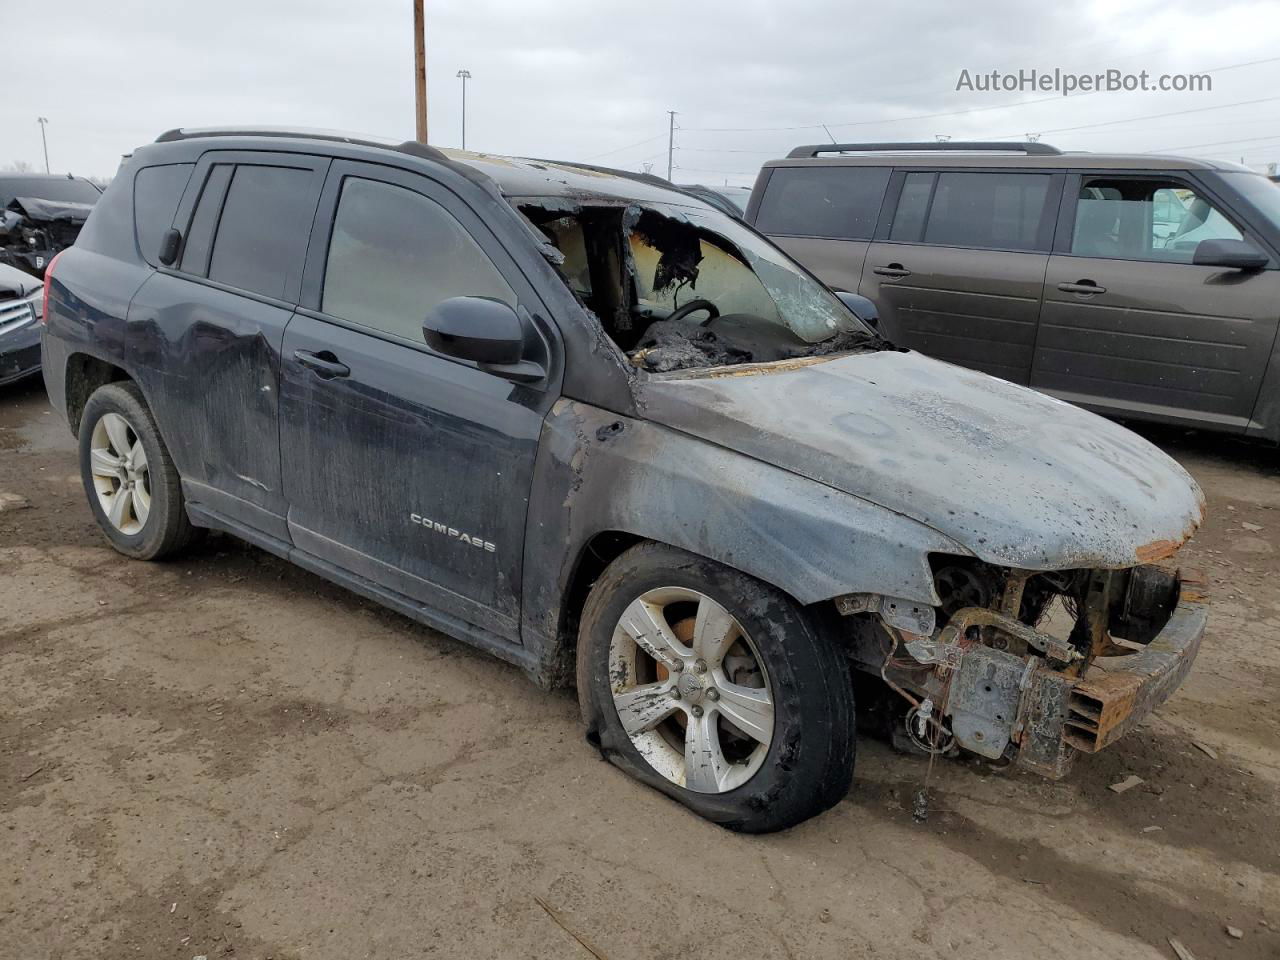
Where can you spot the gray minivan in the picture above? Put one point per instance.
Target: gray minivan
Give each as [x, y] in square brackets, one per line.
[1144, 287]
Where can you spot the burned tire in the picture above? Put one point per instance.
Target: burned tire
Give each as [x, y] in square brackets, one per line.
[716, 689]
[133, 487]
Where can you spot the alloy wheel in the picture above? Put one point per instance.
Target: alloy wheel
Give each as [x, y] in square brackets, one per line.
[118, 464]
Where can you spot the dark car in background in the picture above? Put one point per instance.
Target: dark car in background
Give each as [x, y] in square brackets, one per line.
[1144, 287]
[21, 306]
[41, 214]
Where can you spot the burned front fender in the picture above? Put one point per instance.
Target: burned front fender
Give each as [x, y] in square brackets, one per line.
[600, 472]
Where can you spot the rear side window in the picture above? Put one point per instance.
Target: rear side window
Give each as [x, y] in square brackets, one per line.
[199, 239]
[263, 231]
[996, 210]
[156, 192]
[837, 202]
[913, 204]
[395, 254]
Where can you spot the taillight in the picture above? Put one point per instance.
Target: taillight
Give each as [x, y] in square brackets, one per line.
[48, 286]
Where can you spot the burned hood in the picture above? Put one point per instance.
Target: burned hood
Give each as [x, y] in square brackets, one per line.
[51, 211]
[1016, 477]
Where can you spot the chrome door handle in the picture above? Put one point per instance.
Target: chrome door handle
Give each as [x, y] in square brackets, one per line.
[1084, 286]
[894, 270]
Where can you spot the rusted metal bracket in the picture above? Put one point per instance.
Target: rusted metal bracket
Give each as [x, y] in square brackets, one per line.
[962, 620]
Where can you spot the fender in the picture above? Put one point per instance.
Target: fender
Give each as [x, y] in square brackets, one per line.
[598, 471]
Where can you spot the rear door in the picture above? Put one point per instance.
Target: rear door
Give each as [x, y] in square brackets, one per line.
[1131, 326]
[824, 216]
[211, 326]
[957, 268]
[404, 466]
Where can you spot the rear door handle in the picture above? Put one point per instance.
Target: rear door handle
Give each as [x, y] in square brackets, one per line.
[892, 270]
[325, 364]
[1084, 286]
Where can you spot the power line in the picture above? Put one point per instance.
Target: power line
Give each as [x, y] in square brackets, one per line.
[629, 146]
[1150, 116]
[1215, 143]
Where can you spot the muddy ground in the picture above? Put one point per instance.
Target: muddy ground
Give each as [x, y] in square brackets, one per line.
[226, 756]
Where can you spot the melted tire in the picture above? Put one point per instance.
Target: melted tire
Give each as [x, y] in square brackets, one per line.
[809, 764]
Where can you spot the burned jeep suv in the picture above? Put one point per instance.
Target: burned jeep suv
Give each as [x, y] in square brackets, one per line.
[598, 428]
[41, 214]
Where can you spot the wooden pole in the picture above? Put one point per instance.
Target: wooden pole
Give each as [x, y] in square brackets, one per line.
[420, 70]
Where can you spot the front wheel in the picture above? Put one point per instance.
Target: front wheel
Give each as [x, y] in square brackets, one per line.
[716, 689]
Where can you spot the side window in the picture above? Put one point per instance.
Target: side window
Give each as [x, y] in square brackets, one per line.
[913, 205]
[263, 231]
[156, 192]
[837, 202]
[1001, 211]
[395, 254]
[199, 239]
[1126, 219]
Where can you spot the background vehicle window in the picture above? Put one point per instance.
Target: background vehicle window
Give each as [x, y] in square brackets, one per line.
[997, 210]
[263, 230]
[1145, 220]
[913, 204]
[156, 192]
[838, 202]
[395, 254]
[199, 239]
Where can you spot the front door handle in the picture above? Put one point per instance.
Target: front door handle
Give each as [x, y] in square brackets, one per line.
[892, 270]
[325, 364]
[1083, 286]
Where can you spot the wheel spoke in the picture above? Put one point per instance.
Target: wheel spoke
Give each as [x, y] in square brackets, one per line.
[644, 623]
[713, 632]
[138, 457]
[749, 709]
[643, 708]
[118, 433]
[141, 504]
[120, 504]
[103, 464]
[705, 766]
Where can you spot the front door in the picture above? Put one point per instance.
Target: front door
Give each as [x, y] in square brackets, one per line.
[957, 270]
[1131, 326]
[403, 466]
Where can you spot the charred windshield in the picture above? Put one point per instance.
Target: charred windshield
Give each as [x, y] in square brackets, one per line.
[679, 287]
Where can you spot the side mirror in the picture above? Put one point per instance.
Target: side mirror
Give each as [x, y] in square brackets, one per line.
[475, 328]
[861, 307]
[1232, 254]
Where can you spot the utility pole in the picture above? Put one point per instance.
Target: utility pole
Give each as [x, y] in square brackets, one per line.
[671, 138]
[44, 141]
[420, 70]
[464, 76]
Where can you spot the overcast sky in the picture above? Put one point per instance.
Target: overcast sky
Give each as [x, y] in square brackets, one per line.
[585, 80]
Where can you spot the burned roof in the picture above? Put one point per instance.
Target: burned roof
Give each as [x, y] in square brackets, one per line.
[526, 177]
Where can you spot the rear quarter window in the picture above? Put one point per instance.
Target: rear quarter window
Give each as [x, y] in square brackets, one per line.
[156, 192]
[834, 202]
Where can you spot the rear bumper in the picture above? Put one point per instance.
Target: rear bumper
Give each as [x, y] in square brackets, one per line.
[1062, 716]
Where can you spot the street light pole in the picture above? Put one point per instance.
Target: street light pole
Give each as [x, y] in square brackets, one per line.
[464, 76]
[671, 138]
[44, 141]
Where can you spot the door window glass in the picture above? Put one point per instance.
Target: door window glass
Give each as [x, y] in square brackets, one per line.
[395, 254]
[1001, 211]
[837, 202]
[195, 248]
[913, 204]
[263, 231]
[1126, 219]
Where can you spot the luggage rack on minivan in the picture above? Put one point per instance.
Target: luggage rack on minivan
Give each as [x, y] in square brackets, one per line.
[965, 146]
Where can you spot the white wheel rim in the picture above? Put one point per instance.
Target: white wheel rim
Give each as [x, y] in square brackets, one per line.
[121, 479]
[683, 702]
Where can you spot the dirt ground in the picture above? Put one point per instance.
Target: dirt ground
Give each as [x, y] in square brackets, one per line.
[226, 756]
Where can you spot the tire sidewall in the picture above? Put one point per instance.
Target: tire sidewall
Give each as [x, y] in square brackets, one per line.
[807, 739]
[118, 399]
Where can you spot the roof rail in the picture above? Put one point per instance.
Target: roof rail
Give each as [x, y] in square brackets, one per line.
[303, 133]
[980, 146]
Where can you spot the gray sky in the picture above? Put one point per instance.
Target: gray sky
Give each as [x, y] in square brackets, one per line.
[577, 80]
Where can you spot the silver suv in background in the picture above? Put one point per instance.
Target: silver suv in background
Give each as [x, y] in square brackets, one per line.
[1145, 287]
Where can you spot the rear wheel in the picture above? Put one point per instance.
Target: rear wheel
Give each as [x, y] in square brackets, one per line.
[716, 689]
[132, 484]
